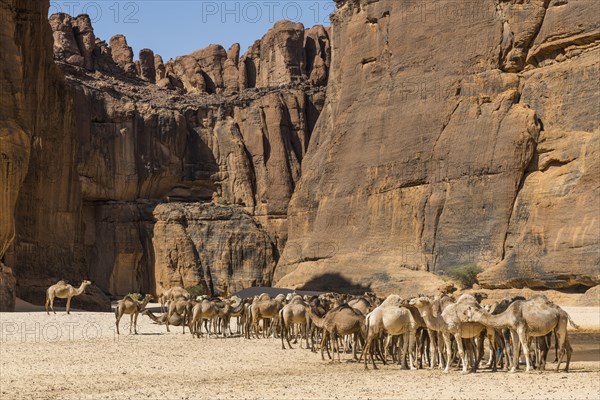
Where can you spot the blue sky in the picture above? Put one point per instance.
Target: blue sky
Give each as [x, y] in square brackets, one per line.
[178, 27]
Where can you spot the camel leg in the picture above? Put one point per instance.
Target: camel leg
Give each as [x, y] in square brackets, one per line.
[461, 353]
[411, 347]
[516, 348]
[569, 353]
[47, 303]
[364, 353]
[119, 315]
[440, 349]
[323, 345]
[135, 315]
[52, 303]
[448, 344]
[69, 305]
[130, 323]
[561, 347]
[524, 340]
[284, 333]
[386, 344]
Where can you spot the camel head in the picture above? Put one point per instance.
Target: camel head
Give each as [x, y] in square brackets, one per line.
[472, 314]
[420, 301]
[480, 296]
[148, 297]
[86, 283]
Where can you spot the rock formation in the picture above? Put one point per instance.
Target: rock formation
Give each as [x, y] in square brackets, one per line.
[215, 246]
[404, 140]
[142, 133]
[40, 223]
[431, 153]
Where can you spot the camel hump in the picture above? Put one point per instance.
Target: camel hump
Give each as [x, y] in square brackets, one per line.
[264, 296]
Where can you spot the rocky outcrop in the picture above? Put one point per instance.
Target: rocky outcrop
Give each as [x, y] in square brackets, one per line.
[430, 154]
[287, 53]
[142, 133]
[221, 248]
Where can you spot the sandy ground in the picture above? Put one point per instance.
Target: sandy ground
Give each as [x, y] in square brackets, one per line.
[79, 356]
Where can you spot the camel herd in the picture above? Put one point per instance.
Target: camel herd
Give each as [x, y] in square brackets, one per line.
[425, 331]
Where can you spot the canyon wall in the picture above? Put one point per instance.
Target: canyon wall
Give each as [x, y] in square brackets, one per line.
[405, 140]
[39, 194]
[453, 134]
[147, 140]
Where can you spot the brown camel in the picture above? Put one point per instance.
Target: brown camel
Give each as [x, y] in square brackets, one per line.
[340, 321]
[450, 323]
[265, 308]
[436, 326]
[133, 307]
[536, 317]
[394, 320]
[63, 290]
[204, 310]
[172, 293]
[293, 313]
[175, 320]
[181, 307]
[461, 328]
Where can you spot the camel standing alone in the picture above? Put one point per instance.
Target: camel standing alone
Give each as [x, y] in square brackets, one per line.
[133, 307]
[62, 290]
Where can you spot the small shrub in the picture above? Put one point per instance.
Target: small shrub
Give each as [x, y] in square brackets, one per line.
[465, 274]
[198, 290]
[136, 296]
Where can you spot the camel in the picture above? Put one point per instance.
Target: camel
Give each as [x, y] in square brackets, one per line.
[394, 320]
[133, 307]
[293, 313]
[63, 290]
[449, 324]
[265, 308]
[238, 308]
[175, 319]
[173, 293]
[181, 307]
[362, 304]
[436, 327]
[526, 319]
[461, 328]
[204, 310]
[340, 321]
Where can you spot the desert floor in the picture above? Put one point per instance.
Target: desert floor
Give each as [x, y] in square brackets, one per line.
[79, 356]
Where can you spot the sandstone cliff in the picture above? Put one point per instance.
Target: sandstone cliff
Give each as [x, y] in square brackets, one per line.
[207, 127]
[38, 186]
[405, 140]
[453, 134]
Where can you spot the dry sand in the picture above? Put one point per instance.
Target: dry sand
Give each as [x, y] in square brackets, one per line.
[78, 356]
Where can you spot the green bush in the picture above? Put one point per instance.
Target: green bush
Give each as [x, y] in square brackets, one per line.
[136, 296]
[465, 274]
[198, 290]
